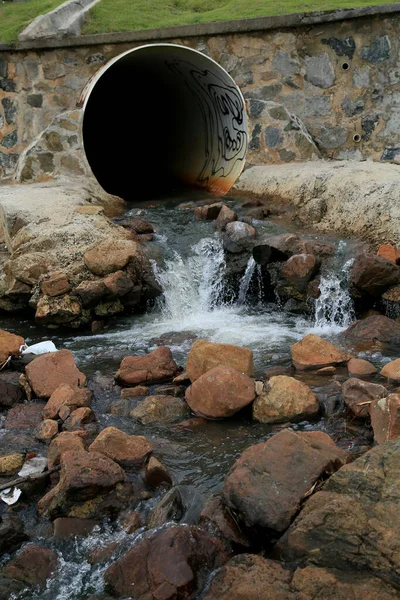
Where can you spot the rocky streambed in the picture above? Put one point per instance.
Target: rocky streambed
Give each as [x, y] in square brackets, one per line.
[235, 433]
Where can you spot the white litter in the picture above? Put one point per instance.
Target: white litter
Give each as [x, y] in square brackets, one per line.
[40, 348]
[33, 466]
[10, 495]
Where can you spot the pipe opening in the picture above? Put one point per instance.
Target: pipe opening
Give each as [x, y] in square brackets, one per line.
[357, 138]
[164, 116]
[345, 66]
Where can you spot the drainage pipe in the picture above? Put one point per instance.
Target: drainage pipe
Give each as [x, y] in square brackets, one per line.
[163, 116]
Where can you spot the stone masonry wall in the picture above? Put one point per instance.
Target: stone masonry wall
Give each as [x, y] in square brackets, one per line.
[339, 82]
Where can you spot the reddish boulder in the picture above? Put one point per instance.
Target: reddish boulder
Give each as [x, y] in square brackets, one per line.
[220, 392]
[139, 390]
[285, 399]
[9, 345]
[78, 419]
[358, 367]
[46, 430]
[358, 395]
[156, 474]
[312, 352]
[109, 256]
[33, 565]
[156, 367]
[385, 418]
[118, 284]
[91, 292]
[218, 519]
[160, 410]
[208, 212]
[24, 416]
[388, 252]
[373, 275]
[67, 527]
[204, 356]
[226, 215]
[126, 450]
[139, 226]
[46, 372]
[392, 370]
[170, 564]
[66, 395]
[11, 391]
[66, 441]
[375, 328]
[239, 237]
[267, 483]
[298, 270]
[56, 285]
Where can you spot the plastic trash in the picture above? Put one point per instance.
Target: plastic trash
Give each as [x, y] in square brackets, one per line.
[10, 495]
[40, 348]
[33, 466]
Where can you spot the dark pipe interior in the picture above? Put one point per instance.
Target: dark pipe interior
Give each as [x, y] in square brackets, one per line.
[145, 126]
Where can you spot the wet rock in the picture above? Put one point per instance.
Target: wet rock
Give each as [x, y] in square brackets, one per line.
[139, 390]
[46, 372]
[79, 419]
[46, 430]
[11, 391]
[352, 524]
[67, 527]
[250, 577]
[108, 309]
[312, 352]
[91, 292]
[9, 345]
[220, 392]
[170, 390]
[156, 474]
[288, 244]
[91, 486]
[373, 275]
[358, 394]
[181, 379]
[265, 254]
[286, 399]
[388, 252]
[139, 226]
[392, 370]
[102, 554]
[326, 371]
[297, 272]
[58, 310]
[170, 564]
[218, 519]
[239, 237]
[375, 328]
[12, 533]
[204, 356]
[126, 450]
[124, 406]
[170, 508]
[11, 464]
[358, 367]
[191, 424]
[160, 410]
[55, 285]
[118, 284]
[267, 483]
[225, 216]
[156, 367]
[65, 442]
[33, 566]
[208, 212]
[130, 521]
[385, 418]
[66, 395]
[110, 256]
[24, 416]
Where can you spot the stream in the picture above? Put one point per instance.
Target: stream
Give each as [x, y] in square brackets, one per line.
[190, 263]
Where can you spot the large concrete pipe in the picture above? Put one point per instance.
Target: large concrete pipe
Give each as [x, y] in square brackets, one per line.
[161, 116]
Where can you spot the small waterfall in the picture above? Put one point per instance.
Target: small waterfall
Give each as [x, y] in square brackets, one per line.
[245, 281]
[334, 307]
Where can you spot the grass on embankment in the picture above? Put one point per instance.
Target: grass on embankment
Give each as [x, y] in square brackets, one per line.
[14, 17]
[125, 15]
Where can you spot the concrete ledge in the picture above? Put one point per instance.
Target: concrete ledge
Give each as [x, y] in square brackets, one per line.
[206, 29]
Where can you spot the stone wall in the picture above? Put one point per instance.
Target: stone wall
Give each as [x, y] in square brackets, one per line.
[329, 89]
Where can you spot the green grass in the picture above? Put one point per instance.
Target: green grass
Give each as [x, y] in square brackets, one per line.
[125, 15]
[15, 17]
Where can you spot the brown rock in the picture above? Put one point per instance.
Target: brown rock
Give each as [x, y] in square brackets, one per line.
[353, 523]
[239, 237]
[58, 310]
[218, 519]
[55, 285]
[373, 275]
[204, 356]
[225, 216]
[67, 527]
[358, 367]
[33, 565]
[102, 554]
[267, 483]
[11, 391]
[160, 410]
[156, 474]
[385, 418]
[139, 226]
[358, 394]
[12, 533]
[46, 372]
[177, 559]
[392, 294]
[388, 252]
[11, 464]
[66, 395]
[9, 345]
[140, 390]
[118, 284]
[24, 416]
[312, 352]
[91, 292]
[126, 450]
[78, 419]
[286, 399]
[376, 328]
[66, 441]
[130, 521]
[251, 577]
[169, 508]
[392, 370]
[298, 270]
[191, 424]
[46, 430]
[182, 378]
[110, 256]
[209, 212]
[220, 392]
[156, 367]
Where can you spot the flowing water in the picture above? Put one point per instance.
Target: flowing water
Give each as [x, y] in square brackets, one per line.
[190, 264]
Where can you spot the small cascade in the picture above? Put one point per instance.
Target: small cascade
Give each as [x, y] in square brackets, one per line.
[334, 307]
[245, 281]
